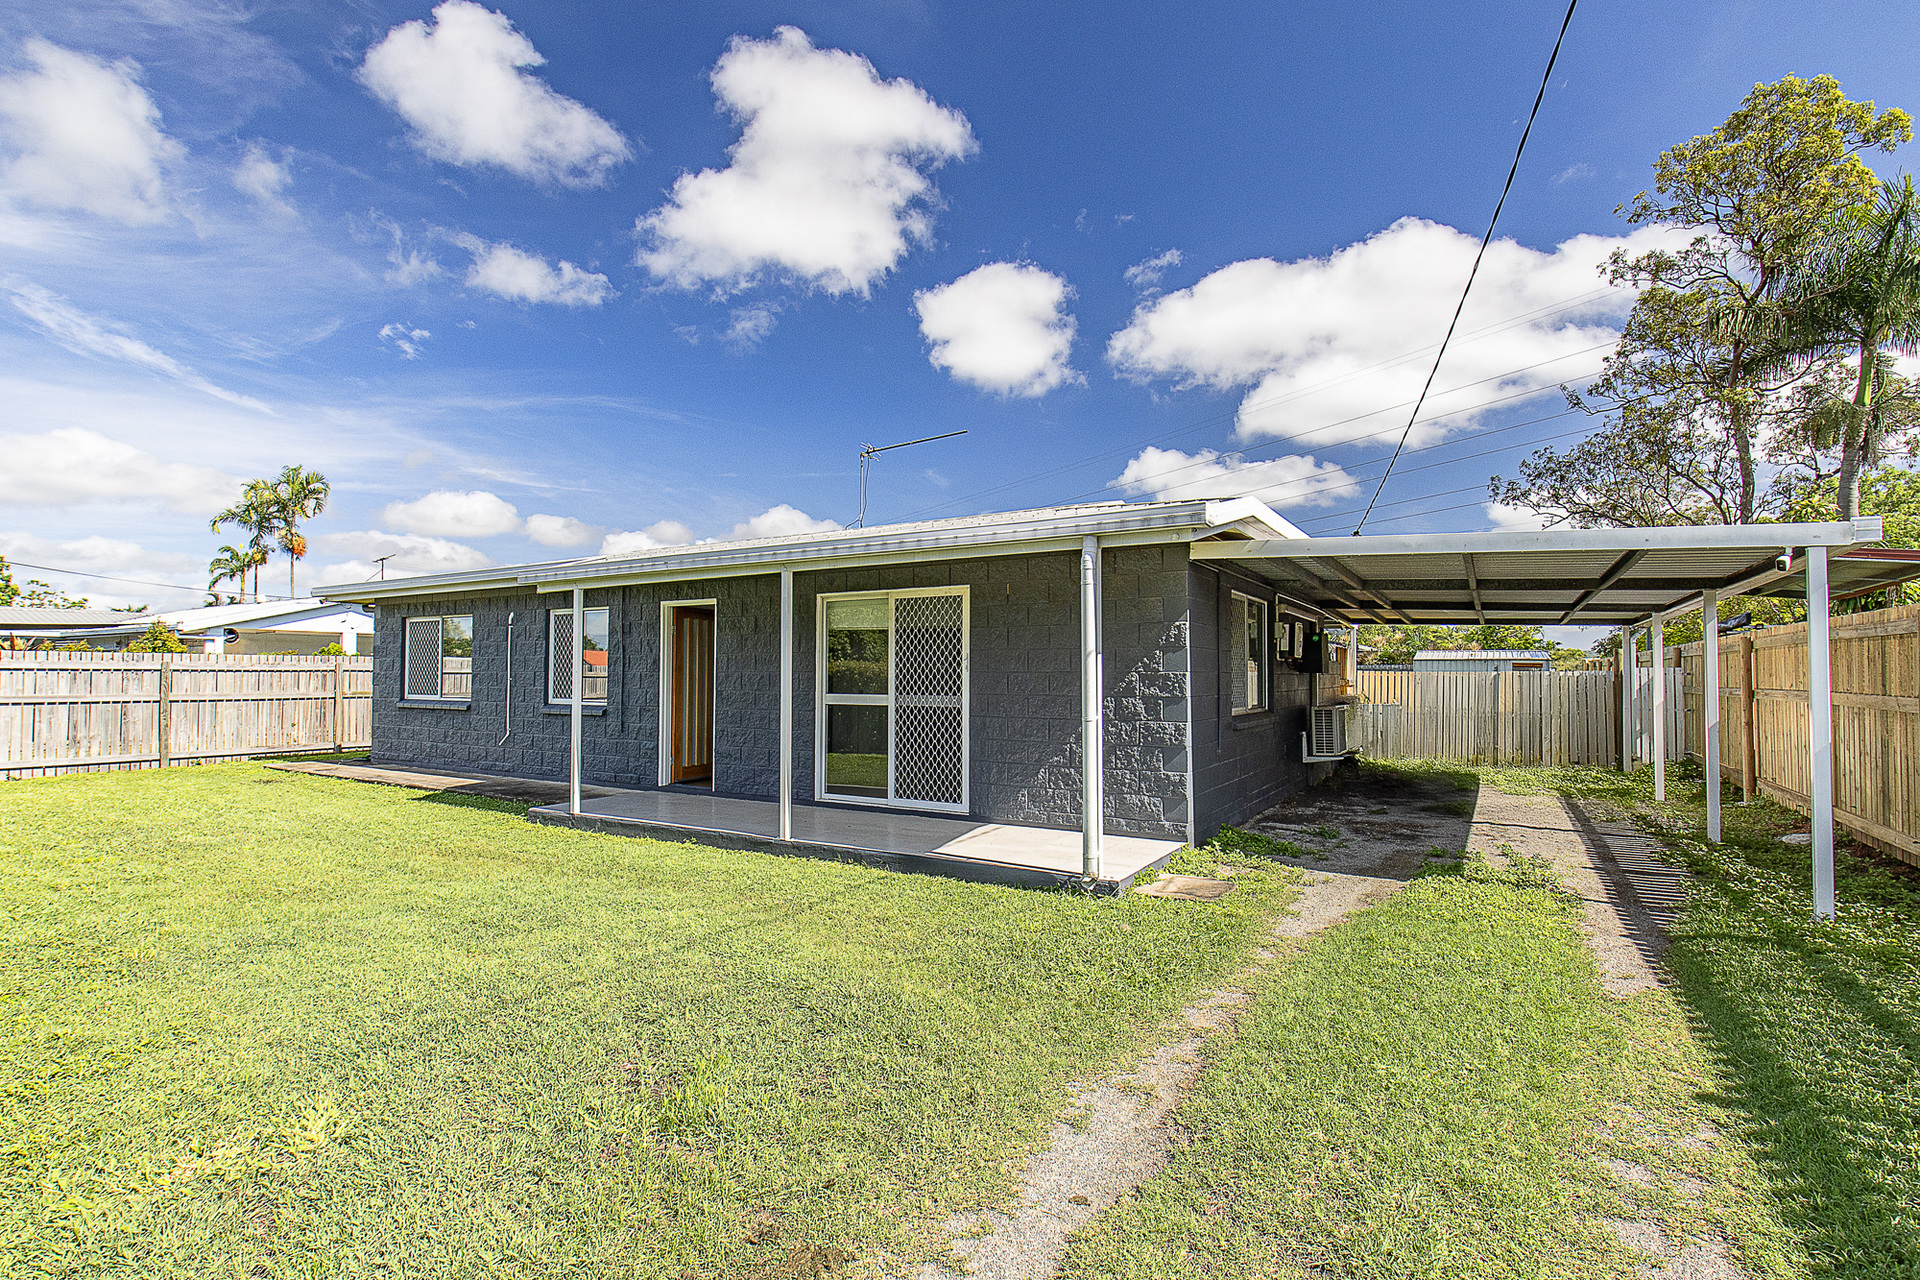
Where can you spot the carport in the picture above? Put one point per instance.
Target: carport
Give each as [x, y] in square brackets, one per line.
[1633, 579]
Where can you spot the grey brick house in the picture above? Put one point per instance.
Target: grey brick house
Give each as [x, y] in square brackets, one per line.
[938, 668]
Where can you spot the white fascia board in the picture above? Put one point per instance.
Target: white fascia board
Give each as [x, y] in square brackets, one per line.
[1233, 511]
[1837, 533]
[426, 585]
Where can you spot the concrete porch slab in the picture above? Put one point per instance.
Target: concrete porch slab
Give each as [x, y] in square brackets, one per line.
[933, 844]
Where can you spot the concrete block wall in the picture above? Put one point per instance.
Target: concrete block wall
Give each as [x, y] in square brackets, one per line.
[620, 743]
[1243, 764]
[1025, 704]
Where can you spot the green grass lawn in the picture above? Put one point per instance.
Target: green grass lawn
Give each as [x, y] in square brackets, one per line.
[1439, 1087]
[278, 1025]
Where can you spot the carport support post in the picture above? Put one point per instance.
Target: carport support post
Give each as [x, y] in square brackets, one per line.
[1092, 748]
[786, 704]
[1658, 637]
[1710, 704]
[573, 703]
[1629, 721]
[1820, 729]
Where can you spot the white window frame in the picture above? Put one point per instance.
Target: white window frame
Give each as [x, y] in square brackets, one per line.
[664, 698]
[822, 700]
[407, 692]
[1258, 670]
[552, 654]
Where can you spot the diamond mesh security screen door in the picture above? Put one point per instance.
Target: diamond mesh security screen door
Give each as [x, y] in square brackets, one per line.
[929, 681]
[893, 698]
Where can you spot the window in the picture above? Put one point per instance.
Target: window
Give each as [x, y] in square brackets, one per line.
[1247, 659]
[439, 657]
[593, 648]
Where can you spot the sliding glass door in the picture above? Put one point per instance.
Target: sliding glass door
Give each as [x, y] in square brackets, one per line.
[892, 705]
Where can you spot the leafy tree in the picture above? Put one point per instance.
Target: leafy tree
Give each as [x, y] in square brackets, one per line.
[1398, 643]
[157, 638]
[1858, 291]
[1758, 190]
[36, 594]
[1709, 345]
[298, 495]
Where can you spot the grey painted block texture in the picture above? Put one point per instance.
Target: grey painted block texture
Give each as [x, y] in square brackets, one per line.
[1025, 686]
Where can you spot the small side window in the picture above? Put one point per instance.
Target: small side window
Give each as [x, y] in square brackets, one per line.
[1248, 655]
[593, 652]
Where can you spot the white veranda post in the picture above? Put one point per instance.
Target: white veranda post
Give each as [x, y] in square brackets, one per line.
[1710, 704]
[786, 704]
[1820, 729]
[578, 661]
[1658, 637]
[1092, 749]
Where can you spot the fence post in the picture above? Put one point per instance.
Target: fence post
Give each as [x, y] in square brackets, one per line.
[339, 703]
[164, 721]
[1749, 737]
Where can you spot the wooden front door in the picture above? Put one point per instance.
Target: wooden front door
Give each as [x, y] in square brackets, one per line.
[691, 697]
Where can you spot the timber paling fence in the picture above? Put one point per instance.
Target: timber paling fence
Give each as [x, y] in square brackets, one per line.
[1488, 717]
[82, 712]
[1876, 720]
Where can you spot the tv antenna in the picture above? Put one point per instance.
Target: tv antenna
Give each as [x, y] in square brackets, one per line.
[382, 562]
[866, 461]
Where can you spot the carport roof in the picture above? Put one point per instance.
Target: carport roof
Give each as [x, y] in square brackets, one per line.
[1556, 576]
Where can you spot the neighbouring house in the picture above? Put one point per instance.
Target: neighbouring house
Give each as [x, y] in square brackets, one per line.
[935, 668]
[269, 626]
[1482, 660]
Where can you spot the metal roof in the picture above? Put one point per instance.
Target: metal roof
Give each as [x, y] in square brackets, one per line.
[21, 617]
[996, 533]
[1583, 576]
[1482, 655]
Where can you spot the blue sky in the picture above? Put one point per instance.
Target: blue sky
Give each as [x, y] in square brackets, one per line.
[549, 279]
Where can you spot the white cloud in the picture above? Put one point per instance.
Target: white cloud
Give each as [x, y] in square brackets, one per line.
[83, 134]
[405, 267]
[264, 179]
[445, 512]
[749, 326]
[457, 81]
[116, 557]
[79, 332]
[1002, 327]
[74, 465]
[1146, 275]
[1508, 518]
[519, 276]
[781, 522]
[663, 533]
[560, 531]
[1334, 349]
[410, 554]
[1579, 172]
[1292, 481]
[408, 342]
[827, 185]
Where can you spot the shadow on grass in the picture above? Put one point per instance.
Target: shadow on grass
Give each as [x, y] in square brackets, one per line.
[1814, 1027]
[488, 804]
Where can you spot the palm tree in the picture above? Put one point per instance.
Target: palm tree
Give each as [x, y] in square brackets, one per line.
[1858, 291]
[255, 516]
[230, 564]
[297, 495]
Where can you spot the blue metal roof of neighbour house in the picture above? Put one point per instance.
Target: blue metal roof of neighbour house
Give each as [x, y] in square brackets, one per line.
[1481, 655]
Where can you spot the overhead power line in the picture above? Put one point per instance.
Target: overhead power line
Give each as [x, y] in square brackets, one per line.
[107, 577]
[1484, 241]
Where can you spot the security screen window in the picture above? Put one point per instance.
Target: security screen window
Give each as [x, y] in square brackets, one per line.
[439, 657]
[858, 635]
[1247, 659]
[593, 652]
